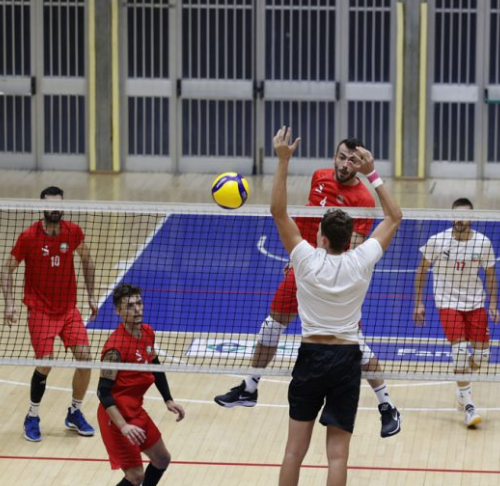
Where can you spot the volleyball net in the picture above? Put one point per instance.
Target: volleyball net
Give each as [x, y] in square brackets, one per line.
[208, 277]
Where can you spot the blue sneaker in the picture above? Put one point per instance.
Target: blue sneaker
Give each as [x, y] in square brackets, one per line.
[76, 421]
[31, 429]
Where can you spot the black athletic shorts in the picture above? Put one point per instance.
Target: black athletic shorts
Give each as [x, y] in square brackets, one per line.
[328, 375]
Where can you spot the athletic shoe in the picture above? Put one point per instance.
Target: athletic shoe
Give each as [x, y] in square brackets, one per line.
[472, 418]
[237, 396]
[76, 421]
[391, 420]
[460, 401]
[31, 429]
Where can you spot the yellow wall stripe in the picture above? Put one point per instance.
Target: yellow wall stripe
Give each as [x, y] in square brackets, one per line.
[115, 73]
[92, 86]
[398, 152]
[422, 98]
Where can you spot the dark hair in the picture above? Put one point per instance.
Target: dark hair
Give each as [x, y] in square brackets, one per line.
[124, 290]
[337, 227]
[463, 201]
[52, 191]
[350, 143]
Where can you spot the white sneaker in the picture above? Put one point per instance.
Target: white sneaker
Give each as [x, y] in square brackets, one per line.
[460, 401]
[472, 418]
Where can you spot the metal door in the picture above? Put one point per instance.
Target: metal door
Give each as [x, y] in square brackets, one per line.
[42, 84]
[17, 107]
[491, 117]
[149, 73]
[464, 76]
[216, 86]
[231, 72]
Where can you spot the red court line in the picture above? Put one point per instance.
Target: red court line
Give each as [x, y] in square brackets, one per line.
[253, 464]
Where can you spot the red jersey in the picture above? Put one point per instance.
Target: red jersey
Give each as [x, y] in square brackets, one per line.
[327, 191]
[49, 276]
[130, 386]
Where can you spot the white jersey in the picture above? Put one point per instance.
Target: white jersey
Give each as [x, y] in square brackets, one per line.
[455, 268]
[331, 288]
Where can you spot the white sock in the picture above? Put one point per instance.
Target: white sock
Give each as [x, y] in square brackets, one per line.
[465, 393]
[75, 405]
[251, 383]
[383, 394]
[34, 409]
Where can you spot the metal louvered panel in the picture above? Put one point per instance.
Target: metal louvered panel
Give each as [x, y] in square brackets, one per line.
[369, 91]
[217, 87]
[492, 93]
[16, 136]
[62, 87]
[455, 94]
[300, 86]
[148, 88]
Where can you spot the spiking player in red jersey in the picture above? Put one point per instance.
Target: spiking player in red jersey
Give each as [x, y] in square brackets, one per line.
[337, 186]
[126, 428]
[47, 249]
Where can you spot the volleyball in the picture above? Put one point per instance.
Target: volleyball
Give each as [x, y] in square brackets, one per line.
[230, 190]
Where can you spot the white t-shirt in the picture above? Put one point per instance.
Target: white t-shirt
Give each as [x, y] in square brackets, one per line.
[455, 269]
[331, 288]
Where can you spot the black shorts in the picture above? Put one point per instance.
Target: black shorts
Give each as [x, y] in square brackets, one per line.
[326, 372]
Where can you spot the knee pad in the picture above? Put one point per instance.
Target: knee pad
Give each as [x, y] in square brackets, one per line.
[480, 356]
[365, 350]
[270, 332]
[460, 356]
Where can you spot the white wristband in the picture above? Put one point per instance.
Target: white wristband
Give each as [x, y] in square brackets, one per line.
[377, 182]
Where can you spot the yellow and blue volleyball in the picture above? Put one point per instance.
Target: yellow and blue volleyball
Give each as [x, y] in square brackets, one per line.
[230, 190]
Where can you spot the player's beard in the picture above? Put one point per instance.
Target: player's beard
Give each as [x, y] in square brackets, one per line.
[52, 217]
[461, 227]
[343, 178]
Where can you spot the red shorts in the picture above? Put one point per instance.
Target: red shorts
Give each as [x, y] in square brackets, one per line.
[470, 326]
[285, 297]
[122, 454]
[45, 327]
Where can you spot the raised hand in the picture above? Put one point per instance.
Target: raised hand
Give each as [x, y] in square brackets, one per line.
[282, 145]
[363, 161]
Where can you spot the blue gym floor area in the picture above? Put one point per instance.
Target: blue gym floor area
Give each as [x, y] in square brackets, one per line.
[216, 275]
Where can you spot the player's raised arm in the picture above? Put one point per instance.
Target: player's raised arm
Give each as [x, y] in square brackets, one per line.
[287, 228]
[385, 231]
[8, 268]
[134, 434]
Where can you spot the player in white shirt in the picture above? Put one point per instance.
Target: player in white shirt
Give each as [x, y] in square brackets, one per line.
[331, 287]
[455, 257]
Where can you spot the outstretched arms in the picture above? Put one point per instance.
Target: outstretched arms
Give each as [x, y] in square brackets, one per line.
[287, 228]
[385, 231]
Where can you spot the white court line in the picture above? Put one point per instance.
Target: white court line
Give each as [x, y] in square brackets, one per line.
[262, 249]
[260, 405]
[392, 385]
[127, 265]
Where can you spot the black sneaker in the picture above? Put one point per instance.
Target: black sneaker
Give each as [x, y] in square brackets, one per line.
[391, 420]
[237, 396]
